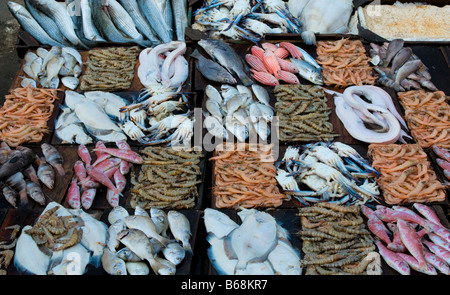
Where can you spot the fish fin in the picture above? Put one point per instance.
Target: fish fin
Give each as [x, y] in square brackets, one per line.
[229, 251]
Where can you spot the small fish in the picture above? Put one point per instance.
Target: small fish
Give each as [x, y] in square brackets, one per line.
[443, 164]
[397, 244]
[112, 198]
[119, 180]
[100, 177]
[128, 255]
[73, 195]
[107, 164]
[112, 264]
[111, 241]
[438, 251]
[116, 214]
[35, 192]
[439, 241]
[212, 70]
[84, 154]
[87, 198]
[141, 211]
[80, 170]
[393, 260]
[17, 183]
[146, 225]
[168, 268]
[180, 228]
[127, 155]
[428, 213]
[174, 253]
[53, 157]
[437, 262]
[159, 218]
[261, 94]
[414, 264]
[16, 163]
[31, 173]
[412, 242]
[375, 225]
[137, 268]
[10, 196]
[70, 82]
[393, 48]
[46, 174]
[307, 71]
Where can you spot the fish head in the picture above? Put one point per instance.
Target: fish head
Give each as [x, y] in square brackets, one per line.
[15, 8]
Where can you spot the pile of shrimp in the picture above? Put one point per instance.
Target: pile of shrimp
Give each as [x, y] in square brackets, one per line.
[25, 113]
[344, 62]
[245, 177]
[406, 174]
[427, 115]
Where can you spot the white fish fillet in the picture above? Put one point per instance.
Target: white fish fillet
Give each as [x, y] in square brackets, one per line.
[92, 115]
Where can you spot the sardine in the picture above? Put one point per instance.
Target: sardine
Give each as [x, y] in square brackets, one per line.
[159, 218]
[212, 70]
[156, 19]
[307, 71]
[137, 268]
[53, 157]
[146, 225]
[30, 25]
[180, 228]
[61, 17]
[226, 56]
[28, 258]
[35, 192]
[112, 264]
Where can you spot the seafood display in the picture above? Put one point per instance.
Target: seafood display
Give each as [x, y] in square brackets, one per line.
[167, 179]
[49, 68]
[443, 159]
[424, 250]
[406, 175]
[244, 177]
[376, 121]
[87, 24]
[398, 67]
[256, 246]
[334, 172]
[245, 19]
[7, 248]
[155, 237]
[270, 65]
[25, 113]
[345, 63]
[427, 116]
[63, 232]
[336, 241]
[240, 111]
[303, 113]
[109, 69]
[89, 116]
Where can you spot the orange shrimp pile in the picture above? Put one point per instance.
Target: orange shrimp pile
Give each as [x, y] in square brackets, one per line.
[406, 174]
[245, 177]
[344, 62]
[24, 115]
[427, 115]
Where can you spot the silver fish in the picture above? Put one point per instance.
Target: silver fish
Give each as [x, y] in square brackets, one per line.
[226, 56]
[174, 253]
[159, 218]
[146, 225]
[215, 127]
[407, 69]
[25, 249]
[213, 108]
[400, 58]
[61, 17]
[261, 94]
[116, 214]
[214, 94]
[90, 31]
[53, 68]
[111, 241]
[27, 81]
[36, 67]
[168, 268]
[307, 71]
[141, 211]
[128, 255]
[212, 70]
[35, 192]
[30, 25]
[392, 49]
[70, 82]
[256, 268]
[112, 264]
[180, 228]
[240, 131]
[156, 19]
[30, 56]
[137, 268]
[180, 18]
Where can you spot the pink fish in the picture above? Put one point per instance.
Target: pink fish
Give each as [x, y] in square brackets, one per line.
[437, 262]
[87, 197]
[269, 46]
[438, 250]
[375, 225]
[287, 66]
[397, 244]
[110, 172]
[100, 177]
[393, 260]
[412, 242]
[288, 77]
[73, 195]
[80, 170]
[112, 198]
[127, 155]
[427, 269]
[124, 167]
[101, 158]
[123, 145]
[84, 154]
[255, 63]
[441, 152]
[293, 50]
[89, 182]
[108, 164]
[271, 63]
[427, 212]
[120, 181]
[389, 215]
[258, 52]
[265, 78]
[443, 164]
[439, 241]
[99, 145]
[281, 52]
[437, 229]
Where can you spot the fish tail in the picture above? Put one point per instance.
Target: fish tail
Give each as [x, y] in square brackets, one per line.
[245, 79]
[96, 259]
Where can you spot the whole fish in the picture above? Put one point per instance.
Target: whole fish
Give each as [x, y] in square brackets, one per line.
[116, 214]
[112, 264]
[226, 56]
[131, 6]
[80, 170]
[84, 154]
[390, 215]
[111, 241]
[112, 198]
[127, 155]
[124, 167]
[439, 241]
[137, 268]
[139, 244]
[393, 260]
[284, 259]
[141, 211]
[412, 242]
[393, 48]
[174, 253]
[375, 225]
[414, 264]
[399, 60]
[437, 262]
[70, 82]
[218, 223]
[180, 228]
[261, 94]
[406, 69]
[17, 183]
[73, 133]
[10, 196]
[53, 157]
[35, 192]
[212, 70]
[16, 163]
[89, 30]
[46, 174]
[180, 18]
[308, 71]
[168, 268]
[30, 25]
[110, 102]
[146, 225]
[159, 218]
[156, 19]
[87, 198]
[26, 247]
[100, 177]
[427, 212]
[31, 174]
[397, 244]
[107, 164]
[61, 17]
[438, 251]
[127, 255]
[73, 195]
[441, 152]
[119, 180]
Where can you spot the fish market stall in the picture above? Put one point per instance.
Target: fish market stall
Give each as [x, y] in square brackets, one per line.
[224, 138]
